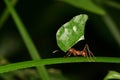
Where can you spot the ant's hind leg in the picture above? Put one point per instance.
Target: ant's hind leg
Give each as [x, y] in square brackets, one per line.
[90, 53]
[85, 51]
[87, 55]
[87, 47]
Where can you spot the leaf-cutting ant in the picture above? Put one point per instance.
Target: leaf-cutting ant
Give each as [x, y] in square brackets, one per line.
[85, 53]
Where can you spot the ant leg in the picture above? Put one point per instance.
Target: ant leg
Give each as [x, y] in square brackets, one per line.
[86, 53]
[68, 54]
[87, 47]
[89, 52]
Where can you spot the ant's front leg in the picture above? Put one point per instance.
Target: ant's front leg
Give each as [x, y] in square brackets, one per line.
[68, 54]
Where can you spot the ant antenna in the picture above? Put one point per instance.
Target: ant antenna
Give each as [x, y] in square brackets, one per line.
[55, 51]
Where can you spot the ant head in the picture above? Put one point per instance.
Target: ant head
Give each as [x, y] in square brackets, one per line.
[71, 50]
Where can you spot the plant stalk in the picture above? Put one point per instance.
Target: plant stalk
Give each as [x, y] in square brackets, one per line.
[27, 40]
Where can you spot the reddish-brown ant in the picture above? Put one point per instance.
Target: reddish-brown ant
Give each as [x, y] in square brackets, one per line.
[85, 52]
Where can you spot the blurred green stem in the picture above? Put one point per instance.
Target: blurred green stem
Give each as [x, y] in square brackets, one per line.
[112, 27]
[5, 13]
[27, 64]
[112, 4]
[27, 40]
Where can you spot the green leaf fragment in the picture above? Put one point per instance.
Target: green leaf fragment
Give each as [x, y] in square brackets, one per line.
[71, 32]
[112, 75]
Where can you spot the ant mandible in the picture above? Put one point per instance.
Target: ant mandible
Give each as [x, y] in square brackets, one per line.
[85, 52]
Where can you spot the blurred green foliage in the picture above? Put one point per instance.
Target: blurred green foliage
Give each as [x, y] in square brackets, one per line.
[112, 75]
[88, 5]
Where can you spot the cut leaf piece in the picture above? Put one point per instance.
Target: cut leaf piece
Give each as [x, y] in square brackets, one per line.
[71, 32]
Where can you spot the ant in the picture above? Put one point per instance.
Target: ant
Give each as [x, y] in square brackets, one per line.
[85, 52]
